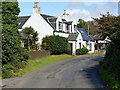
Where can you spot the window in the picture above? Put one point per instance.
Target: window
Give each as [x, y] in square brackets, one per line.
[60, 26]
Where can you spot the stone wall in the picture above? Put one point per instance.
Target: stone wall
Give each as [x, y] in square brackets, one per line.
[38, 54]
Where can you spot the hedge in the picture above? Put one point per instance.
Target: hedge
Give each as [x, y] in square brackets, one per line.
[82, 51]
[56, 44]
[111, 61]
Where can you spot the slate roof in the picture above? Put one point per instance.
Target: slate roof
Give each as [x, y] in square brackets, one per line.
[51, 20]
[63, 20]
[72, 37]
[85, 35]
[22, 20]
[68, 22]
[98, 37]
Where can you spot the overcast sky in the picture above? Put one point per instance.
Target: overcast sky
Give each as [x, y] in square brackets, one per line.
[84, 10]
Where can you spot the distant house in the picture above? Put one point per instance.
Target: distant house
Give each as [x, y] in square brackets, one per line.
[101, 42]
[62, 26]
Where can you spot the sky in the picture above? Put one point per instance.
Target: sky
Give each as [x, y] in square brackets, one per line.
[76, 9]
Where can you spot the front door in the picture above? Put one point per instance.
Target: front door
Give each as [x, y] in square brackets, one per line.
[71, 46]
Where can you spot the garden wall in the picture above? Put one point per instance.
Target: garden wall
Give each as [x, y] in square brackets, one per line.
[38, 54]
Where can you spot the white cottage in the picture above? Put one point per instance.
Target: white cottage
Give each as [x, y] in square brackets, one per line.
[62, 26]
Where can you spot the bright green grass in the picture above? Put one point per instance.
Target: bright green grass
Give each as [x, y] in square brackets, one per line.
[91, 54]
[37, 63]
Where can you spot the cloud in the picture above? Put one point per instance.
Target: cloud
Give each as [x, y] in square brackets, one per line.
[76, 14]
[95, 8]
[76, 4]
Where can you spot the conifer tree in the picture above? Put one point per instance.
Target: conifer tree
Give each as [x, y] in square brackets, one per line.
[12, 51]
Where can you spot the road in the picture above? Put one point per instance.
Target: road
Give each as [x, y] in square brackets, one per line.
[79, 72]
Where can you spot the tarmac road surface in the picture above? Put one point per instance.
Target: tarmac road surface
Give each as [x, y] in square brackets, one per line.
[78, 72]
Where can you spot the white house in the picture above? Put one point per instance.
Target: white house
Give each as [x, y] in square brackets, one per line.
[62, 26]
[101, 42]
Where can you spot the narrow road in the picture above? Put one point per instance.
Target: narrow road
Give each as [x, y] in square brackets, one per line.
[79, 72]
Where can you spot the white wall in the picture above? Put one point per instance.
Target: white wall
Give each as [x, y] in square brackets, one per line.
[40, 25]
[93, 47]
[62, 34]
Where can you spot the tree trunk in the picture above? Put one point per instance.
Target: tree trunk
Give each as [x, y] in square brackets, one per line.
[28, 43]
[32, 42]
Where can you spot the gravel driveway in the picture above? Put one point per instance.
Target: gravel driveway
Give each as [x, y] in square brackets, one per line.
[79, 72]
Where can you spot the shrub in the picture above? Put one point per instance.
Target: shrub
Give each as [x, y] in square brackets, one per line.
[35, 47]
[7, 71]
[56, 44]
[12, 52]
[82, 51]
[111, 61]
[109, 79]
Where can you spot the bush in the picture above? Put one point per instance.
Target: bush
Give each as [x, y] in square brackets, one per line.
[56, 44]
[18, 61]
[82, 51]
[35, 47]
[111, 61]
[7, 71]
[109, 79]
[12, 52]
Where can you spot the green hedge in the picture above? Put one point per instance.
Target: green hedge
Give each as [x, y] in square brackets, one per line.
[19, 61]
[82, 51]
[56, 44]
[111, 61]
[109, 79]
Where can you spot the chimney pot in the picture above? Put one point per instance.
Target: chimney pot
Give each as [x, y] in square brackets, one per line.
[36, 4]
[64, 11]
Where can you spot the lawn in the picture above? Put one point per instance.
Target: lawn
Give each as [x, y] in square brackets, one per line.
[34, 64]
[91, 54]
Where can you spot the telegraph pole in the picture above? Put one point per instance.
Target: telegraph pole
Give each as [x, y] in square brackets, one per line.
[88, 29]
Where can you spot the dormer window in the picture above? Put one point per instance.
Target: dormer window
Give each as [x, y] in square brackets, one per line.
[60, 26]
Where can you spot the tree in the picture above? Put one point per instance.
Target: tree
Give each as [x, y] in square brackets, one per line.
[34, 37]
[56, 44]
[28, 31]
[108, 24]
[83, 24]
[12, 52]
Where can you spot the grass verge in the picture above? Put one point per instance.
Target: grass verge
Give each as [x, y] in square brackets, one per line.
[34, 64]
[91, 54]
[109, 79]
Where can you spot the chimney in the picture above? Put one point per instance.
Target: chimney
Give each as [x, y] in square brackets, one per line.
[65, 15]
[36, 8]
[64, 11]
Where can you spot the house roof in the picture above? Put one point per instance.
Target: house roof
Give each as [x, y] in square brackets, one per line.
[72, 37]
[51, 20]
[85, 35]
[98, 37]
[63, 20]
[22, 20]
[68, 22]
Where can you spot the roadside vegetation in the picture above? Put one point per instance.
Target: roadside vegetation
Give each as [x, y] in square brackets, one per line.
[14, 56]
[34, 64]
[56, 44]
[109, 68]
[82, 51]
